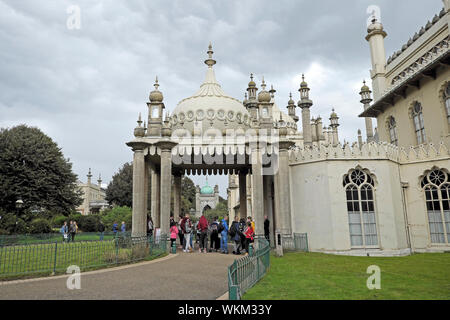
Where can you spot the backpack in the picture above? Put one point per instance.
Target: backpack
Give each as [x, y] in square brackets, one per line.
[233, 229]
[221, 227]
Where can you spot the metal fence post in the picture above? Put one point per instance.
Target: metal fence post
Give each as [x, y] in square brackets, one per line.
[56, 254]
[117, 249]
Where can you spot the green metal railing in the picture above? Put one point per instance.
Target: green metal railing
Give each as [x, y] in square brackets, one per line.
[245, 272]
[297, 242]
[55, 257]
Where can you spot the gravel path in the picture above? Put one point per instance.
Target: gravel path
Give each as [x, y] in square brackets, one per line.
[185, 276]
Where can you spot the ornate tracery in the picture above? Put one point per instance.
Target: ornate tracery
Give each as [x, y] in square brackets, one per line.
[359, 187]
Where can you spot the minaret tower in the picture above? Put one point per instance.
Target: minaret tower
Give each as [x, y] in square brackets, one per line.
[365, 100]
[291, 108]
[99, 181]
[252, 103]
[305, 103]
[375, 37]
[155, 111]
[334, 124]
[89, 176]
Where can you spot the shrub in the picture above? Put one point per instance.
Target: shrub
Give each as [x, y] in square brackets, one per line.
[88, 223]
[116, 214]
[40, 225]
[58, 221]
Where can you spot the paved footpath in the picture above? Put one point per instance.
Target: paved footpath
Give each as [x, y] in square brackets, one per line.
[184, 276]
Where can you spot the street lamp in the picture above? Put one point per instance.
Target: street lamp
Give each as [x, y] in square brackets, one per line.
[19, 205]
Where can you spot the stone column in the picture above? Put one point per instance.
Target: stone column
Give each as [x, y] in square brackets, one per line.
[268, 201]
[243, 194]
[306, 127]
[166, 185]
[283, 187]
[257, 192]
[156, 214]
[177, 195]
[139, 218]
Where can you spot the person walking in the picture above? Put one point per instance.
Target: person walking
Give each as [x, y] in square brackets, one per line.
[173, 233]
[234, 235]
[123, 228]
[242, 226]
[149, 226]
[65, 231]
[249, 218]
[180, 232]
[186, 225]
[249, 234]
[267, 228]
[115, 228]
[202, 227]
[101, 229]
[224, 235]
[73, 230]
[214, 238]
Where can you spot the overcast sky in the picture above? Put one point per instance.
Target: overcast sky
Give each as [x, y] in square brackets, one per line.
[85, 87]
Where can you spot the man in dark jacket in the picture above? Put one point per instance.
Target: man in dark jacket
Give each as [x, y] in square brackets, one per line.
[266, 228]
[235, 236]
[215, 241]
[202, 226]
[101, 229]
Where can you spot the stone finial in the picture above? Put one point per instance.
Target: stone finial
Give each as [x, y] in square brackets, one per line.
[210, 61]
[139, 131]
[156, 95]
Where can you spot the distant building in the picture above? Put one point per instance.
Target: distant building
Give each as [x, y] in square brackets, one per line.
[93, 196]
[206, 198]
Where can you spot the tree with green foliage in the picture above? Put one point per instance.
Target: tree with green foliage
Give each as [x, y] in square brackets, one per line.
[120, 190]
[33, 168]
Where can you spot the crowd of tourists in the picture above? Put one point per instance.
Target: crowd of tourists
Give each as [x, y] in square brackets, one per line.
[219, 233]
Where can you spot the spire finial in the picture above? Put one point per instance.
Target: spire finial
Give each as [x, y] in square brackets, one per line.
[272, 91]
[89, 175]
[290, 95]
[303, 77]
[263, 84]
[156, 85]
[245, 95]
[139, 120]
[251, 76]
[210, 61]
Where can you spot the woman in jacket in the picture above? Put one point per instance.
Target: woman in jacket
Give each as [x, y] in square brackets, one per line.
[173, 233]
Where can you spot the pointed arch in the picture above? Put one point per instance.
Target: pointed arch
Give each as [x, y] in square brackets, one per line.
[436, 186]
[359, 185]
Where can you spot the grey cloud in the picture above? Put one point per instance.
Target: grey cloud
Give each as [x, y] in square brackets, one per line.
[86, 87]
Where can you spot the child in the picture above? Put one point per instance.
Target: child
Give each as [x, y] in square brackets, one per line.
[173, 233]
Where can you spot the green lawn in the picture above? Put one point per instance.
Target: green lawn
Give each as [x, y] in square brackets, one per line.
[298, 276]
[33, 260]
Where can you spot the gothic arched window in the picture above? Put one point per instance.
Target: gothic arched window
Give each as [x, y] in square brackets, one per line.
[359, 188]
[436, 185]
[393, 130]
[447, 101]
[419, 128]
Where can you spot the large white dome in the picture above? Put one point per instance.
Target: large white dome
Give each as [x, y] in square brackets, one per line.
[209, 108]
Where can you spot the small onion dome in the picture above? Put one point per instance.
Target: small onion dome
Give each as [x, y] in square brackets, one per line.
[264, 96]
[252, 83]
[156, 95]
[291, 102]
[139, 131]
[303, 84]
[365, 88]
[333, 114]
